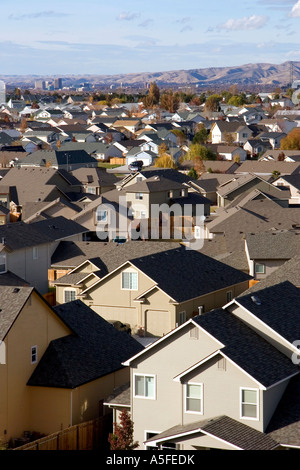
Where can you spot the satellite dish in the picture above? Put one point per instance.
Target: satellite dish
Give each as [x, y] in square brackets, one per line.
[295, 96]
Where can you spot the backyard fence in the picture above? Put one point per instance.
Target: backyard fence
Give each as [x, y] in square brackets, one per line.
[91, 435]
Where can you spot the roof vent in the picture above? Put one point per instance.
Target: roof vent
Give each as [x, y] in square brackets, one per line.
[16, 290]
[255, 300]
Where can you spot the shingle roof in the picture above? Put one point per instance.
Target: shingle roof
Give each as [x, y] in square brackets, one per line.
[256, 356]
[57, 228]
[284, 425]
[112, 255]
[185, 274]
[12, 300]
[279, 308]
[95, 349]
[289, 271]
[273, 245]
[18, 235]
[223, 428]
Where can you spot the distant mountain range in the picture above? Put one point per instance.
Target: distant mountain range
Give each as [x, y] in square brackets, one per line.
[246, 74]
[249, 74]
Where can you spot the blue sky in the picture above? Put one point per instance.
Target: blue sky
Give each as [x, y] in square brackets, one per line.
[101, 37]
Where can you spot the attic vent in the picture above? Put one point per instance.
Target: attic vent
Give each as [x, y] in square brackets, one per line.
[256, 300]
[16, 290]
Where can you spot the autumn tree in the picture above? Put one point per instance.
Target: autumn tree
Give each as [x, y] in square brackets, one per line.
[213, 103]
[122, 437]
[181, 137]
[201, 135]
[198, 150]
[291, 141]
[170, 101]
[152, 99]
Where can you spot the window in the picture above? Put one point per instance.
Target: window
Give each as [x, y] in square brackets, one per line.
[139, 196]
[143, 214]
[69, 295]
[144, 386]
[182, 318]
[193, 398]
[249, 403]
[35, 252]
[259, 268]
[2, 263]
[229, 296]
[91, 190]
[130, 280]
[101, 216]
[33, 354]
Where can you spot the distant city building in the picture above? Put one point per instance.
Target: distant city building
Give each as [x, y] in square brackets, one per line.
[40, 85]
[2, 92]
[58, 83]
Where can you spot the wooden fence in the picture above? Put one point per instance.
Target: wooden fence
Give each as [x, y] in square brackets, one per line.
[91, 435]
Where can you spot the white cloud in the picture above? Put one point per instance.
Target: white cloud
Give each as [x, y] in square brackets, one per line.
[248, 22]
[127, 16]
[295, 13]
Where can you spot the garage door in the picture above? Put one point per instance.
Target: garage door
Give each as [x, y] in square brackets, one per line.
[158, 322]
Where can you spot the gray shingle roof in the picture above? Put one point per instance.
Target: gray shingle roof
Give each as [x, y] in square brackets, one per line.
[273, 245]
[95, 349]
[57, 228]
[225, 429]
[246, 348]
[279, 308]
[18, 235]
[185, 274]
[12, 300]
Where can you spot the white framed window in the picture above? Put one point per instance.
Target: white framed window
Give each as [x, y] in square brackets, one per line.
[91, 190]
[3, 267]
[139, 196]
[35, 252]
[69, 295]
[249, 403]
[129, 280]
[182, 317]
[33, 354]
[259, 268]
[145, 386]
[101, 216]
[194, 398]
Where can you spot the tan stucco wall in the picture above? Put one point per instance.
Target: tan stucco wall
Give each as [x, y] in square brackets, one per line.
[36, 325]
[54, 409]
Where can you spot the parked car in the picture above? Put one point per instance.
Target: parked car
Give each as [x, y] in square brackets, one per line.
[136, 165]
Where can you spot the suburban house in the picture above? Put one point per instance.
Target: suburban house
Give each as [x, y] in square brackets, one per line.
[244, 184]
[236, 131]
[59, 159]
[292, 184]
[268, 251]
[208, 183]
[156, 292]
[45, 383]
[234, 388]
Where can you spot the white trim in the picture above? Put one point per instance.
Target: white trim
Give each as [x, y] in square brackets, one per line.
[295, 349]
[143, 396]
[129, 271]
[198, 364]
[151, 444]
[257, 404]
[70, 289]
[194, 431]
[163, 338]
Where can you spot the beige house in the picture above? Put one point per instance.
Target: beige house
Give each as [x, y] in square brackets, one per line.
[234, 386]
[45, 383]
[157, 292]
